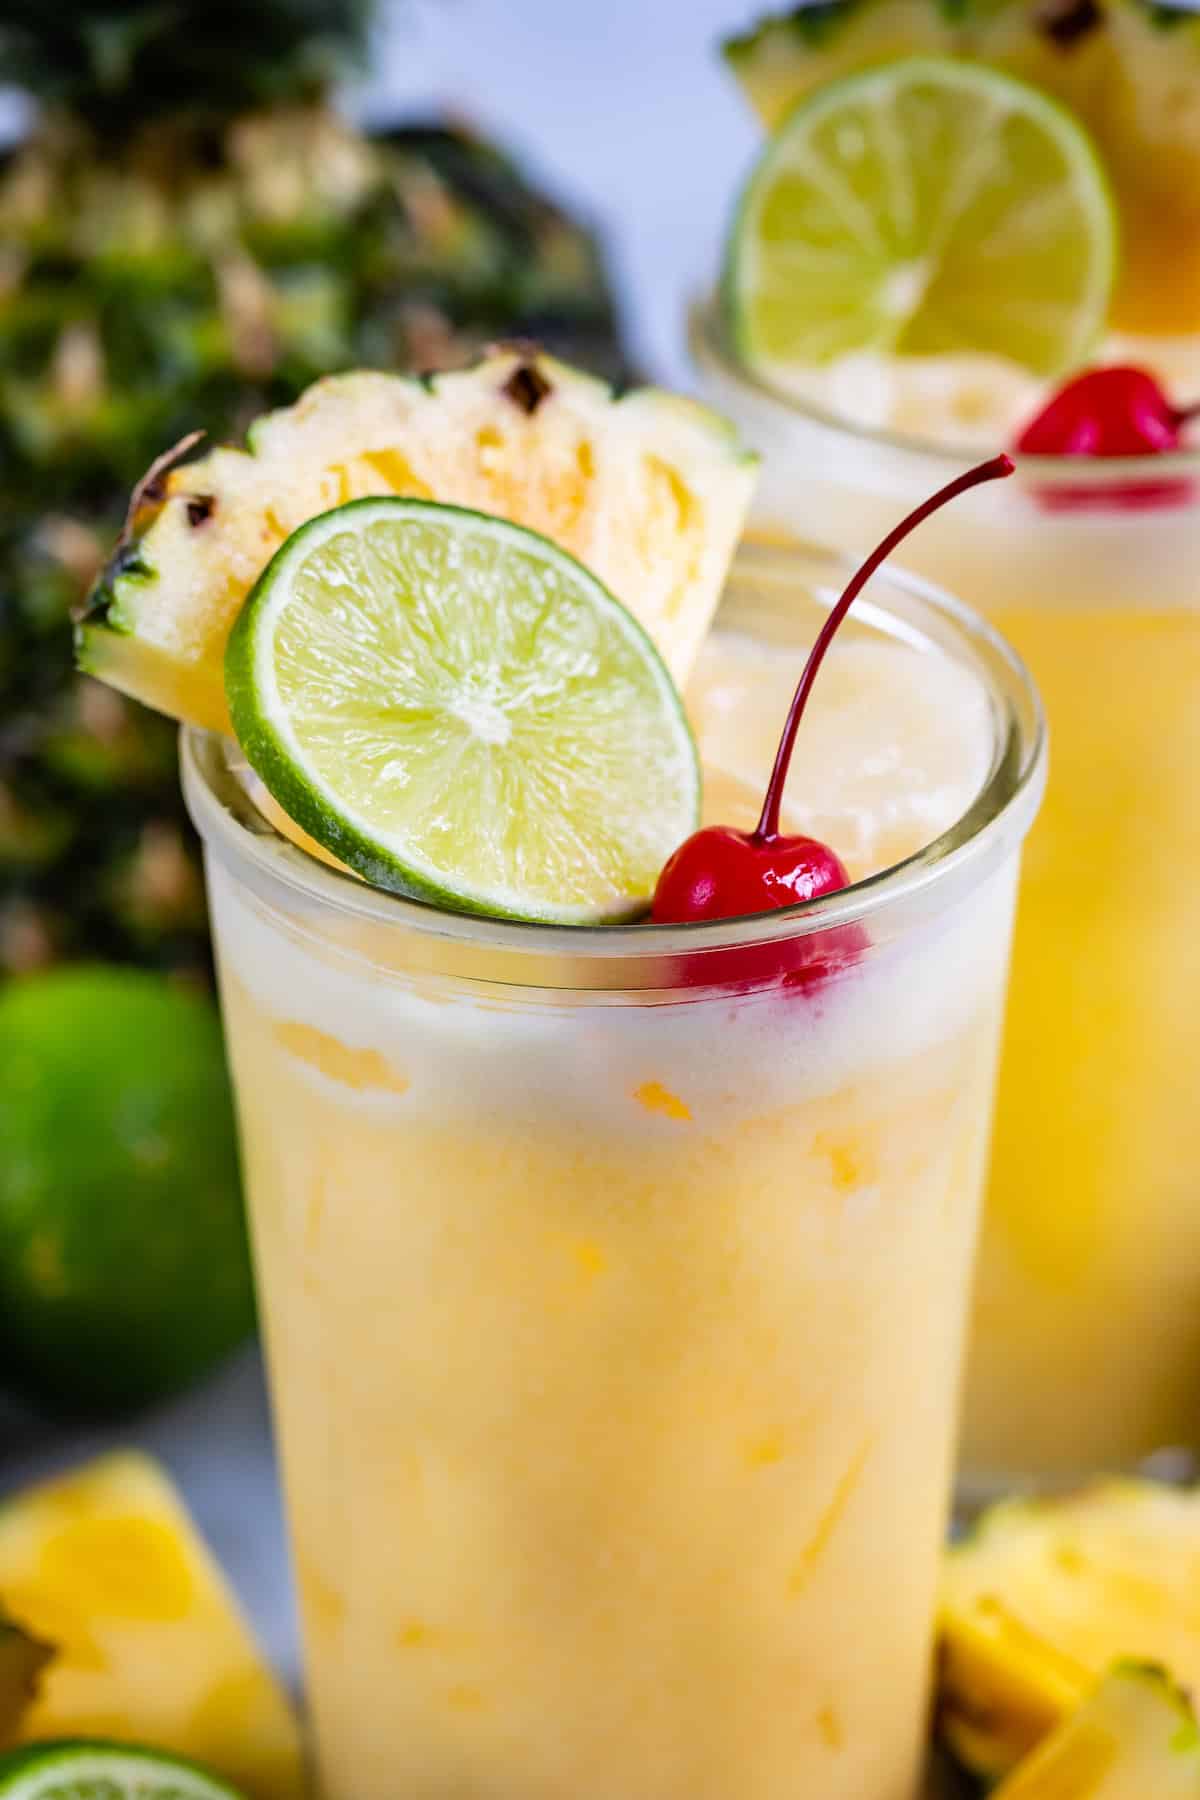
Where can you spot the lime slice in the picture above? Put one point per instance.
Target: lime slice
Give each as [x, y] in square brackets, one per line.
[95, 1771]
[460, 711]
[925, 207]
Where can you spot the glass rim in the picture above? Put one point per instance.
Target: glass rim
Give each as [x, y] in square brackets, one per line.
[1004, 806]
[707, 339]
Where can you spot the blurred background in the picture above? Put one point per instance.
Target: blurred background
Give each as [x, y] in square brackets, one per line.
[207, 205]
[193, 225]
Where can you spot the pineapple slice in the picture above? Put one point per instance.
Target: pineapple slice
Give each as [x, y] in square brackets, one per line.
[649, 490]
[1134, 1738]
[1128, 68]
[1043, 1596]
[106, 1567]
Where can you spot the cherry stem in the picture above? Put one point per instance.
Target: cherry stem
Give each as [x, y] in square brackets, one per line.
[995, 469]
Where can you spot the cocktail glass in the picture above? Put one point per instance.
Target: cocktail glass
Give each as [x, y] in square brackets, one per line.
[613, 1284]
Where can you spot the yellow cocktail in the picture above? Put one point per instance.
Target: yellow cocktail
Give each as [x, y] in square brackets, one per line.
[613, 1283]
[1086, 1347]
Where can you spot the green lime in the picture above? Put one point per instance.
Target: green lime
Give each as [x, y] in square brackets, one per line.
[924, 207]
[81, 1770]
[123, 1266]
[460, 711]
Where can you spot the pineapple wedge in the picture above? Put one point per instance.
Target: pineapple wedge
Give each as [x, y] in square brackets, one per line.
[1134, 1738]
[1128, 68]
[787, 55]
[106, 1567]
[1043, 1596]
[649, 490]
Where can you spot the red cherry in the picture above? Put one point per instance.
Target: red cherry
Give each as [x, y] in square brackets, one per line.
[720, 873]
[1114, 411]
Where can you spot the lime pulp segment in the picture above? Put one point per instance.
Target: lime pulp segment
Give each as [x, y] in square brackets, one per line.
[925, 207]
[460, 711]
[95, 1771]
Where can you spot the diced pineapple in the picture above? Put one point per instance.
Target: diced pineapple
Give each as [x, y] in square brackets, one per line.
[1133, 1738]
[1044, 1596]
[1130, 69]
[105, 1567]
[649, 490]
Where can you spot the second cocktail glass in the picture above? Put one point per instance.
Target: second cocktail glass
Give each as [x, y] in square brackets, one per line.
[1086, 1338]
[613, 1284]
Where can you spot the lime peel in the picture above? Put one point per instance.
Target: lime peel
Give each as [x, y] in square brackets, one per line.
[84, 1769]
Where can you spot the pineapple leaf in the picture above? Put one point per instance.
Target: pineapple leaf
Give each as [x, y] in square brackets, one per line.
[117, 62]
[22, 1659]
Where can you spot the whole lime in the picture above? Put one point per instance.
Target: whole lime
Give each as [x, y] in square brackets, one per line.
[124, 1272]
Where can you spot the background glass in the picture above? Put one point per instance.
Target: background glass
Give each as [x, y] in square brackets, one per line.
[1086, 1341]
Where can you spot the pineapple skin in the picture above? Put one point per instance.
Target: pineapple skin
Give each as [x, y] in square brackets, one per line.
[96, 852]
[196, 272]
[198, 276]
[1130, 69]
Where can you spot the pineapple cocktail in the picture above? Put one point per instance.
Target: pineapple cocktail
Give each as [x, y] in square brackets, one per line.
[613, 1278]
[1087, 562]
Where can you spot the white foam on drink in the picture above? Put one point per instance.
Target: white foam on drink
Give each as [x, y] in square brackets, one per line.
[897, 746]
[894, 746]
[965, 400]
[969, 400]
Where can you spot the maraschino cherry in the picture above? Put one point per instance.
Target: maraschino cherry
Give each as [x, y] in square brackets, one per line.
[720, 873]
[1114, 411]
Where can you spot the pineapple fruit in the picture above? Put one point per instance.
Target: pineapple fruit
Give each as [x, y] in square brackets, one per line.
[96, 854]
[1134, 1738]
[1130, 69]
[650, 491]
[136, 1636]
[1044, 1595]
[189, 235]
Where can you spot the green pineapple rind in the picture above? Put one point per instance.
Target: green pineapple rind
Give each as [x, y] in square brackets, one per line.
[818, 26]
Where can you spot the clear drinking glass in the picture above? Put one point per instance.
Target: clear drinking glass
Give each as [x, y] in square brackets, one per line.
[1085, 1350]
[613, 1284]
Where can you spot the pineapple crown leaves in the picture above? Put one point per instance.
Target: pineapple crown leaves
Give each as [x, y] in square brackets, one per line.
[114, 63]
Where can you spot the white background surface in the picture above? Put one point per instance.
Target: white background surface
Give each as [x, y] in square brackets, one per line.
[622, 108]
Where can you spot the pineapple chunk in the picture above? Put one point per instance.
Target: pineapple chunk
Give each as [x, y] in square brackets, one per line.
[106, 1567]
[649, 490]
[1133, 1738]
[1130, 70]
[1043, 1596]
